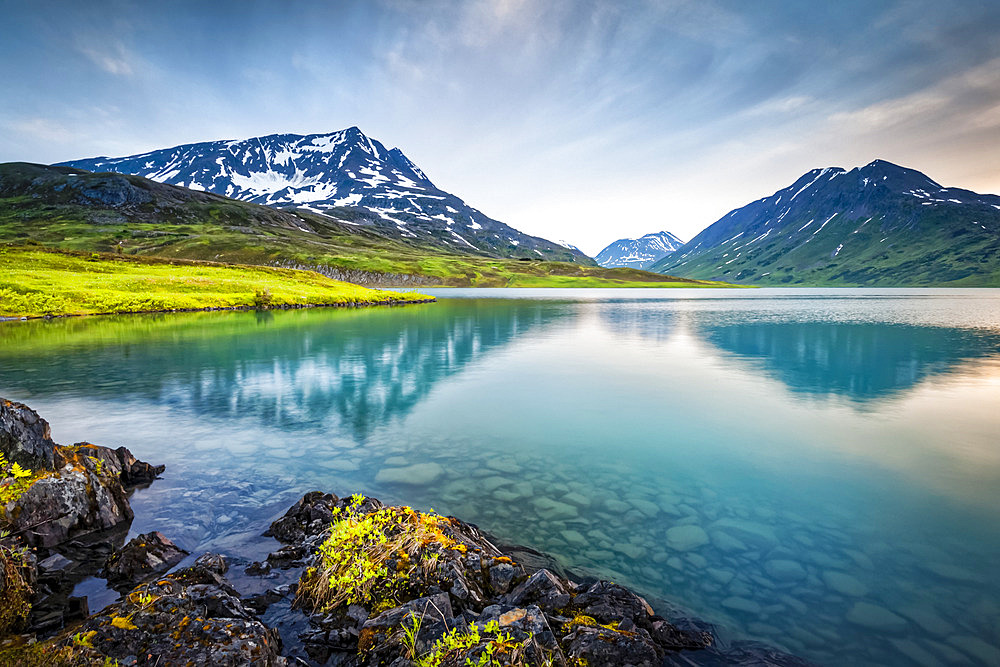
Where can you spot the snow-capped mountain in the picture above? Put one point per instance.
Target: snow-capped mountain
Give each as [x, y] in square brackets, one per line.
[880, 224]
[327, 173]
[639, 253]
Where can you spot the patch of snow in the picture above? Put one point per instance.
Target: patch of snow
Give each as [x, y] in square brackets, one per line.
[837, 251]
[349, 200]
[824, 224]
[807, 185]
[457, 236]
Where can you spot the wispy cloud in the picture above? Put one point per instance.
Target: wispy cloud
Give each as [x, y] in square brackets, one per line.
[111, 56]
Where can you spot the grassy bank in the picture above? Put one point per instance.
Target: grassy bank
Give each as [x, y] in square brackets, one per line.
[37, 281]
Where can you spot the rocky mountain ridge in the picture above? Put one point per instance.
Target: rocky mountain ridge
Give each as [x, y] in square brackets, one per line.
[329, 174]
[881, 224]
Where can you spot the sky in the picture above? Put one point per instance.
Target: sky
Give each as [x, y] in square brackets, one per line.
[576, 120]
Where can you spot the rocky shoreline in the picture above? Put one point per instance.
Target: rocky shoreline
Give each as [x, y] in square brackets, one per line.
[351, 582]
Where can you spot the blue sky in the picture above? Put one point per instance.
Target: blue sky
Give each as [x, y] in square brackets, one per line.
[571, 119]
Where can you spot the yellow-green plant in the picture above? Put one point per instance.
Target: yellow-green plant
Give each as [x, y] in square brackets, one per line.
[375, 559]
[471, 647]
[16, 481]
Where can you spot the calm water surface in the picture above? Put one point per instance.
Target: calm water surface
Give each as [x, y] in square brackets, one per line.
[817, 469]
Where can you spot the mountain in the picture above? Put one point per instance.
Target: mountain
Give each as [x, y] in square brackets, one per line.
[639, 253]
[73, 209]
[327, 173]
[880, 224]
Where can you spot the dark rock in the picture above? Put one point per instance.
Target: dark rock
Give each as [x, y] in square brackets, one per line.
[120, 462]
[529, 620]
[143, 557]
[672, 638]
[54, 563]
[501, 577]
[109, 190]
[258, 569]
[25, 438]
[610, 603]
[543, 589]
[191, 617]
[290, 555]
[261, 601]
[210, 562]
[601, 647]
[85, 491]
[310, 515]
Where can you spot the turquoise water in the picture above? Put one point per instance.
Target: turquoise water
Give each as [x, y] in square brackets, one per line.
[817, 469]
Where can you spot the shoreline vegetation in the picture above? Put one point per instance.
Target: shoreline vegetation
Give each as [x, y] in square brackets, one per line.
[354, 582]
[36, 281]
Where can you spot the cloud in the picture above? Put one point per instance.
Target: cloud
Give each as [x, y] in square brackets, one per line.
[44, 130]
[111, 56]
[963, 103]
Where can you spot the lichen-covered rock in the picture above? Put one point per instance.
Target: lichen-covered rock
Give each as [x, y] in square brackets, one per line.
[603, 647]
[74, 490]
[144, 556]
[25, 438]
[72, 501]
[192, 617]
[130, 470]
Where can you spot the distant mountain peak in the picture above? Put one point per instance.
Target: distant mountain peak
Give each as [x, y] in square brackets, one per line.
[638, 253]
[325, 173]
[881, 224]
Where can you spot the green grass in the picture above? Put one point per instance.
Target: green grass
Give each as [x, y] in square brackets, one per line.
[36, 281]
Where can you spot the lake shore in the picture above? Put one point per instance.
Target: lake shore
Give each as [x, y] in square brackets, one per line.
[352, 579]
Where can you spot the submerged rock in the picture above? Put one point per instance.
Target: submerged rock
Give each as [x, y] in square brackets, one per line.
[144, 556]
[686, 538]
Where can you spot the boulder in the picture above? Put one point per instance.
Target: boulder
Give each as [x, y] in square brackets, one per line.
[543, 589]
[76, 490]
[25, 438]
[77, 499]
[130, 470]
[143, 557]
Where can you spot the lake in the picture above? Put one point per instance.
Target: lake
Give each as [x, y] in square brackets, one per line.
[816, 469]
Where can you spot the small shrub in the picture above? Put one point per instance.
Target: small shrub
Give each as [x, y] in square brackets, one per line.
[376, 559]
[262, 299]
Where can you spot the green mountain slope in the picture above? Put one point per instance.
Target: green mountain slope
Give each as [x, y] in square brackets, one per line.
[879, 225]
[73, 209]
